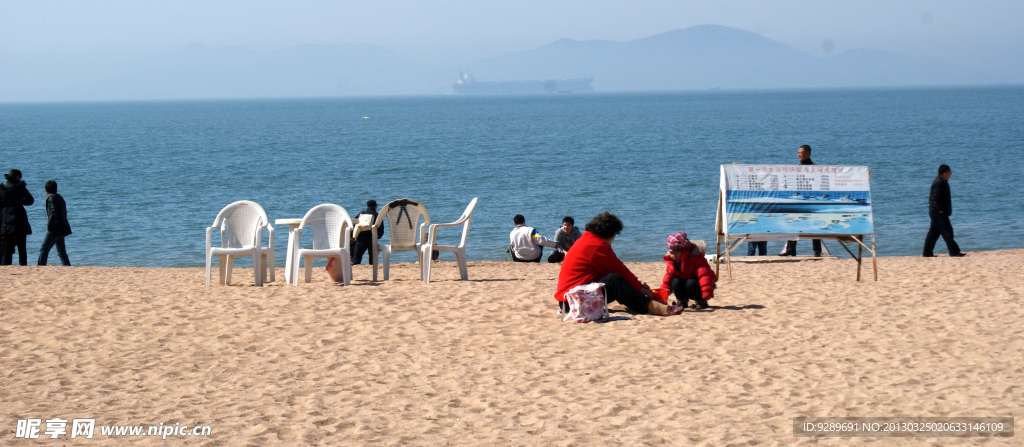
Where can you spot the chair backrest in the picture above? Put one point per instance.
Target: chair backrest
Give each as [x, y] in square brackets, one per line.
[403, 223]
[467, 216]
[238, 222]
[329, 222]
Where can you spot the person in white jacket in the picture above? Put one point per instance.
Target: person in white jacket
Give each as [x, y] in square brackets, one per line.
[526, 244]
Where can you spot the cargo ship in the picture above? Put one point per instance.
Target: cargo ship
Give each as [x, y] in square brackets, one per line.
[468, 85]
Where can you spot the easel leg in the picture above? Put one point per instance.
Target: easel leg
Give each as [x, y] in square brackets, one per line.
[718, 255]
[874, 261]
[860, 250]
[728, 259]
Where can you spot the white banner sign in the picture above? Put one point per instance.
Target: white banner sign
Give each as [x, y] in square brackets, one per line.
[775, 200]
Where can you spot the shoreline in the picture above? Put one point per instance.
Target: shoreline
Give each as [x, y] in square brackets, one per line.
[736, 258]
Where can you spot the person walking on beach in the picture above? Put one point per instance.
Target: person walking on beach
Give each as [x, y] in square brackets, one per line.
[525, 243]
[940, 207]
[592, 260]
[14, 226]
[565, 236]
[364, 240]
[57, 226]
[804, 154]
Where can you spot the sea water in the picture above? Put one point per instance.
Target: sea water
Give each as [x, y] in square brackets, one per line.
[143, 180]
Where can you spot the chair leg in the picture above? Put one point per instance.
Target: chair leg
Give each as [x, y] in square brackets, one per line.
[295, 268]
[463, 270]
[386, 254]
[209, 263]
[257, 267]
[263, 266]
[425, 264]
[346, 267]
[270, 264]
[309, 268]
[222, 265]
[229, 268]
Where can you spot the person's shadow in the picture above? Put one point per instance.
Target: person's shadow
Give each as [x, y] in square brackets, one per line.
[709, 309]
[748, 306]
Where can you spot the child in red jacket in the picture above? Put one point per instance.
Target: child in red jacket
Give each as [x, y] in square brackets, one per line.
[687, 273]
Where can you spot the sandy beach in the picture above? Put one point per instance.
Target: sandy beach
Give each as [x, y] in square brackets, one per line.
[489, 362]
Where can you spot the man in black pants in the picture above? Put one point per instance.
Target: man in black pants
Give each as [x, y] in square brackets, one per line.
[940, 206]
[804, 153]
[364, 241]
[14, 226]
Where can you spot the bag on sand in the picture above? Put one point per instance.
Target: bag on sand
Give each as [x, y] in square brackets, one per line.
[586, 303]
[334, 271]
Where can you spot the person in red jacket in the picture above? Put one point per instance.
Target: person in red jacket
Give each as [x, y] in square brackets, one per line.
[591, 259]
[687, 273]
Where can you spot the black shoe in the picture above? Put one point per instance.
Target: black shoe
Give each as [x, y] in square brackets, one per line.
[817, 255]
[787, 254]
[700, 304]
[957, 255]
[684, 303]
[927, 256]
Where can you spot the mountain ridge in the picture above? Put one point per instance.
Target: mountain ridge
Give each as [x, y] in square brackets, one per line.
[694, 58]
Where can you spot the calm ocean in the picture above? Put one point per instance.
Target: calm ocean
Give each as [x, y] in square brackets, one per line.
[143, 180]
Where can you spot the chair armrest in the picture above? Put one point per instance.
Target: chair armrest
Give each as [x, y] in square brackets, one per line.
[270, 228]
[432, 232]
[209, 238]
[445, 225]
[257, 237]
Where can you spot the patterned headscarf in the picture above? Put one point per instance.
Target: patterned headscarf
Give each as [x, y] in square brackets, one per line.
[678, 242]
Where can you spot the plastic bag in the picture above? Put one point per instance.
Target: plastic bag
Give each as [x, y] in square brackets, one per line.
[334, 271]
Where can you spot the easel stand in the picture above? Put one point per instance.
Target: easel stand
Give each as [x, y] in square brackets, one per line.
[731, 242]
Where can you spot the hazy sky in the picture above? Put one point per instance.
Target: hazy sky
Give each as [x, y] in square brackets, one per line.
[988, 35]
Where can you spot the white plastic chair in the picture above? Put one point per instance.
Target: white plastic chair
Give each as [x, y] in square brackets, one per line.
[241, 227]
[460, 251]
[402, 216]
[332, 231]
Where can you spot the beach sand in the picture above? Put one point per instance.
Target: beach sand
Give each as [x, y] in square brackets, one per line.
[489, 362]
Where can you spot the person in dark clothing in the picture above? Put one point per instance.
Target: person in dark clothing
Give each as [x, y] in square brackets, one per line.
[14, 226]
[940, 207]
[57, 226]
[804, 153]
[757, 248]
[364, 241]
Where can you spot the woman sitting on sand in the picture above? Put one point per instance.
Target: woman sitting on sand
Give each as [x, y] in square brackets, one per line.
[591, 259]
[687, 273]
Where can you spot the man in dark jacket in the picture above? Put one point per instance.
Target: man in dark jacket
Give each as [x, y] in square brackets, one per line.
[14, 227]
[364, 241]
[940, 206]
[804, 154]
[57, 225]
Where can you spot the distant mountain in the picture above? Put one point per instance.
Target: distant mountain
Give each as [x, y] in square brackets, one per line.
[699, 57]
[716, 56]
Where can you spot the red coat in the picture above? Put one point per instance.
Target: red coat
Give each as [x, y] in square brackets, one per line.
[692, 265]
[589, 260]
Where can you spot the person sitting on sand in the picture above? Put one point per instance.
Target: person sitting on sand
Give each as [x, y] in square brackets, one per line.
[565, 236]
[687, 272]
[527, 245]
[592, 260]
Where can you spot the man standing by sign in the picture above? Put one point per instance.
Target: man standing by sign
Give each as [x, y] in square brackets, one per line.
[804, 153]
[940, 206]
